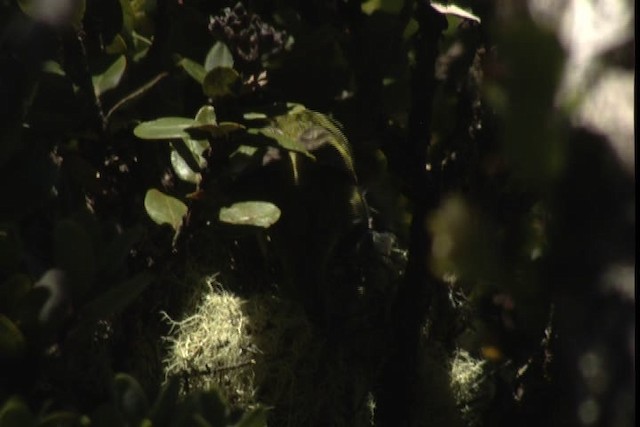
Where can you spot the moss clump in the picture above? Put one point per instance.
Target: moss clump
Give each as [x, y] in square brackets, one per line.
[470, 385]
[262, 350]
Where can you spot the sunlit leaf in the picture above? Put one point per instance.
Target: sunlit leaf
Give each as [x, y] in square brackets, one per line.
[164, 128]
[254, 116]
[259, 214]
[182, 169]
[195, 70]
[111, 77]
[164, 209]
[219, 56]
[207, 115]
[452, 9]
[220, 82]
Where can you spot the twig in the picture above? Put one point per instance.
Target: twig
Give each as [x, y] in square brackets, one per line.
[134, 95]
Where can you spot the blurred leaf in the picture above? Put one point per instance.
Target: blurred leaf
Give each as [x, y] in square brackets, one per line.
[15, 413]
[164, 128]
[388, 6]
[13, 290]
[53, 310]
[111, 77]
[254, 116]
[164, 209]
[58, 16]
[259, 214]
[130, 399]
[164, 407]
[452, 9]
[53, 67]
[220, 82]
[12, 342]
[117, 298]
[195, 70]
[219, 56]
[60, 419]
[117, 46]
[254, 418]
[116, 252]
[182, 169]
[74, 254]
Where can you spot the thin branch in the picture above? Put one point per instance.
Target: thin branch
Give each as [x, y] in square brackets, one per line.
[135, 95]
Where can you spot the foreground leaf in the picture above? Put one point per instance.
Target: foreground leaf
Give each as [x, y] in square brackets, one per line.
[258, 214]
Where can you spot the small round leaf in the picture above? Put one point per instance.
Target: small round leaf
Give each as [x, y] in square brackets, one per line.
[164, 209]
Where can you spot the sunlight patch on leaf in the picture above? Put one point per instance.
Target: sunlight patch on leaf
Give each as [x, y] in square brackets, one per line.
[256, 213]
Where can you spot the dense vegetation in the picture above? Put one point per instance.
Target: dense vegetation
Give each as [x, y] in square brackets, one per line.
[341, 212]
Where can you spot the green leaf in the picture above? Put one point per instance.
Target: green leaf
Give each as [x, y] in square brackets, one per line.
[254, 116]
[111, 77]
[195, 70]
[255, 213]
[15, 413]
[220, 82]
[53, 67]
[284, 140]
[164, 128]
[182, 169]
[164, 209]
[254, 418]
[12, 342]
[219, 56]
[130, 398]
[117, 298]
[207, 115]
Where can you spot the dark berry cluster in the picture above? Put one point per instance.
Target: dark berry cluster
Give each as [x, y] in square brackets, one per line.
[246, 34]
